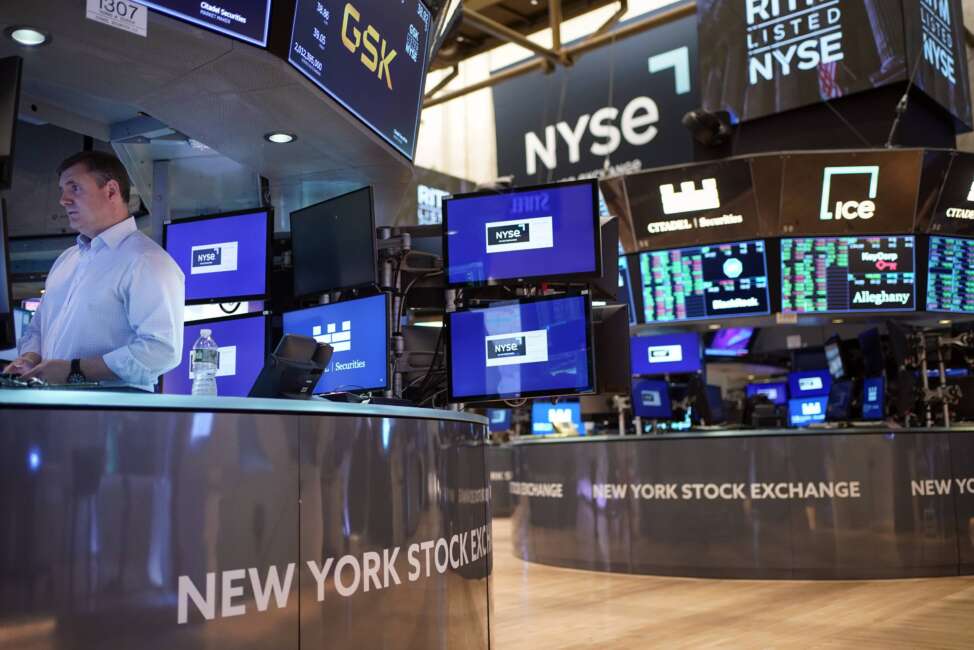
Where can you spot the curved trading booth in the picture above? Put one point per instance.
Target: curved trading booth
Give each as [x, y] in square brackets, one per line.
[849, 504]
[161, 521]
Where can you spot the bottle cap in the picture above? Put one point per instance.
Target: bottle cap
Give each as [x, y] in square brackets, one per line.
[205, 332]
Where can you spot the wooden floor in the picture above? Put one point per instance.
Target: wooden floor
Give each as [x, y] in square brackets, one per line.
[537, 606]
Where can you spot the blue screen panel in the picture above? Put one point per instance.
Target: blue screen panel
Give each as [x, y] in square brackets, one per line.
[500, 419]
[665, 353]
[357, 330]
[873, 398]
[807, 410]
[776, 391]
[561, 417]
[809, 383]
[540, 232]
[530, 347]
[242, 343]
[222, 257]
[651, 399]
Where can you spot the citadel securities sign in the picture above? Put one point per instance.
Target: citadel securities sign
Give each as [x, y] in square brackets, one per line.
[616, 111]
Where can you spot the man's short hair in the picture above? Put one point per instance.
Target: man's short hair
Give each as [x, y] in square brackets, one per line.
[104, 166]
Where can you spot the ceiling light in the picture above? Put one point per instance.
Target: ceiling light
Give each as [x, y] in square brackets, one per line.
[837, 321]
[27, 36]
[280, 137]
[715, 326]
[945, 321]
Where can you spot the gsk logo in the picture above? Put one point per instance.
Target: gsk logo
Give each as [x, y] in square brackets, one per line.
[375, 60]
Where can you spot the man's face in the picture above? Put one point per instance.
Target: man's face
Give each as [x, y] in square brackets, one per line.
[90, 208]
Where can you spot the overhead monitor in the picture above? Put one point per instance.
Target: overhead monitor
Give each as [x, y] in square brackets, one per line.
[651, 399]
[809, 383]
[873, 398]
[8, 333]
[563, 417]
[370, 57]
[847, 274]
[246, 20]
[666, 354]
[775, 391]
[333, 244]
[526, 348]
[803, 411]
[357, 330]
[243, 345]
[701, 282]
[10, 74]
[950, 275]
[730, 342]
[499, 419]
[544, 232]
[225, 257]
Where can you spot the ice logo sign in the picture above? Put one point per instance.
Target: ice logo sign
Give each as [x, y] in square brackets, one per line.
[689, 198]
[516, 348]
[341, 340]
[864, 209]
[213, 258]
[519, 235]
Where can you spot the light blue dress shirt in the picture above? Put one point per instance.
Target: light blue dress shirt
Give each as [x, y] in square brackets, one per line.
[118, 296]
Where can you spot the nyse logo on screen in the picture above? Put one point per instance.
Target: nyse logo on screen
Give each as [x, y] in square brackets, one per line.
[938, 37]
[810, 383]
[516, 348]
[375, 60]
[783, 35]
[519, 235]
[849, 209]
[213, 258]
[665, 353]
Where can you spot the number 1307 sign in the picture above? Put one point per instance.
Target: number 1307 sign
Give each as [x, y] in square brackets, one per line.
[121, 14]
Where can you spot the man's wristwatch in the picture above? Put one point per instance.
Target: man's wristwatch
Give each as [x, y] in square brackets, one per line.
[75, 376]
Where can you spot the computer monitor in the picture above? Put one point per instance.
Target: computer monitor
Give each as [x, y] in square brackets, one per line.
[848, 274]
[556, 417]
[293, 369]
[625, 289]
[243, 345]
[225, 257]
[662, 354]
[839, 407]
[833, 356]
[525, 348]
[873, 398]
[730, 342]
[11, 69]
[710, 405]
[809, 383]
[544, 232]
[333, 244]
[651, 399]
[499, 419]
[776, 391]
[803, 411]
[606, 286]
[611, 361]
[700, 282]
[950, 275]
[358, 331]
[871, 344]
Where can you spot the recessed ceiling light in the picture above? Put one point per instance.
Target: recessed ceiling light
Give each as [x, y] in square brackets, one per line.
[945, 321]
[715, 326]
[27, 36]
[280, 137]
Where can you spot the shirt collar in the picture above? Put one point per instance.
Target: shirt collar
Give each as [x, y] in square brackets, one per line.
[110, 237]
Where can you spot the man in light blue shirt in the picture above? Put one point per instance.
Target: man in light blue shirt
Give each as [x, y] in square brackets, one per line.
[112, 309]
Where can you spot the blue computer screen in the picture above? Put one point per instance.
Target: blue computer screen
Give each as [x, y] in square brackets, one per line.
[809, 383]
[807, 410]
[776, 391]
[873, 398]
[357, 330]
[530, 347]
[651, 399]
[666, 353]
[222, 257]
[242, 343]
[561, 417]
[538, 232]
[625, 287]
[500, 419]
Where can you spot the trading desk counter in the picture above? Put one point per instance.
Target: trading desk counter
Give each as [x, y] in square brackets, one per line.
[155, 521]
[840, 503]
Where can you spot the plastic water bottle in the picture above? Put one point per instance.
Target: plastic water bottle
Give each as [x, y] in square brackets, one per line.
[204, 361]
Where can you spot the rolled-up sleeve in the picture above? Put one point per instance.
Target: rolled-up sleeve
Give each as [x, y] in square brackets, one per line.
[155, 294]
[30, 340]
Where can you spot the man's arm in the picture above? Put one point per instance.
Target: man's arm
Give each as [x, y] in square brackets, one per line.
[29, 347]
[56, 371]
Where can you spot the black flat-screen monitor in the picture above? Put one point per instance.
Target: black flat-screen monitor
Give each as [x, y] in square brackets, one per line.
[10, 73]
[848, 274]
[8, 334]
[224, 257]
[871, 344]
[612, 367]
[246, 20]
[839, 406]
[544, 232]
[333, 244]
[950, 275]
[700, 282]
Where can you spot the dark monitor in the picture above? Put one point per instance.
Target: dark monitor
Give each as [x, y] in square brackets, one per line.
[542, 233]
[950, 275]
[873, 398]
[242, 341]
[809, 383]
[711, 408]
[662, 354]
[625, 289]
[499, 419]
[833, 357]
[606, 286]
[225, 257]
[358, 331]
[612, 370]
[651, 399]
[11, 69]
[333, 244]
[8, 333]
[776, 392]
[871, 345]
[525, 348]
[808, 359]
[293, 369]
[730, 342]
[556, 417]
[803, 411]
[839, 407]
